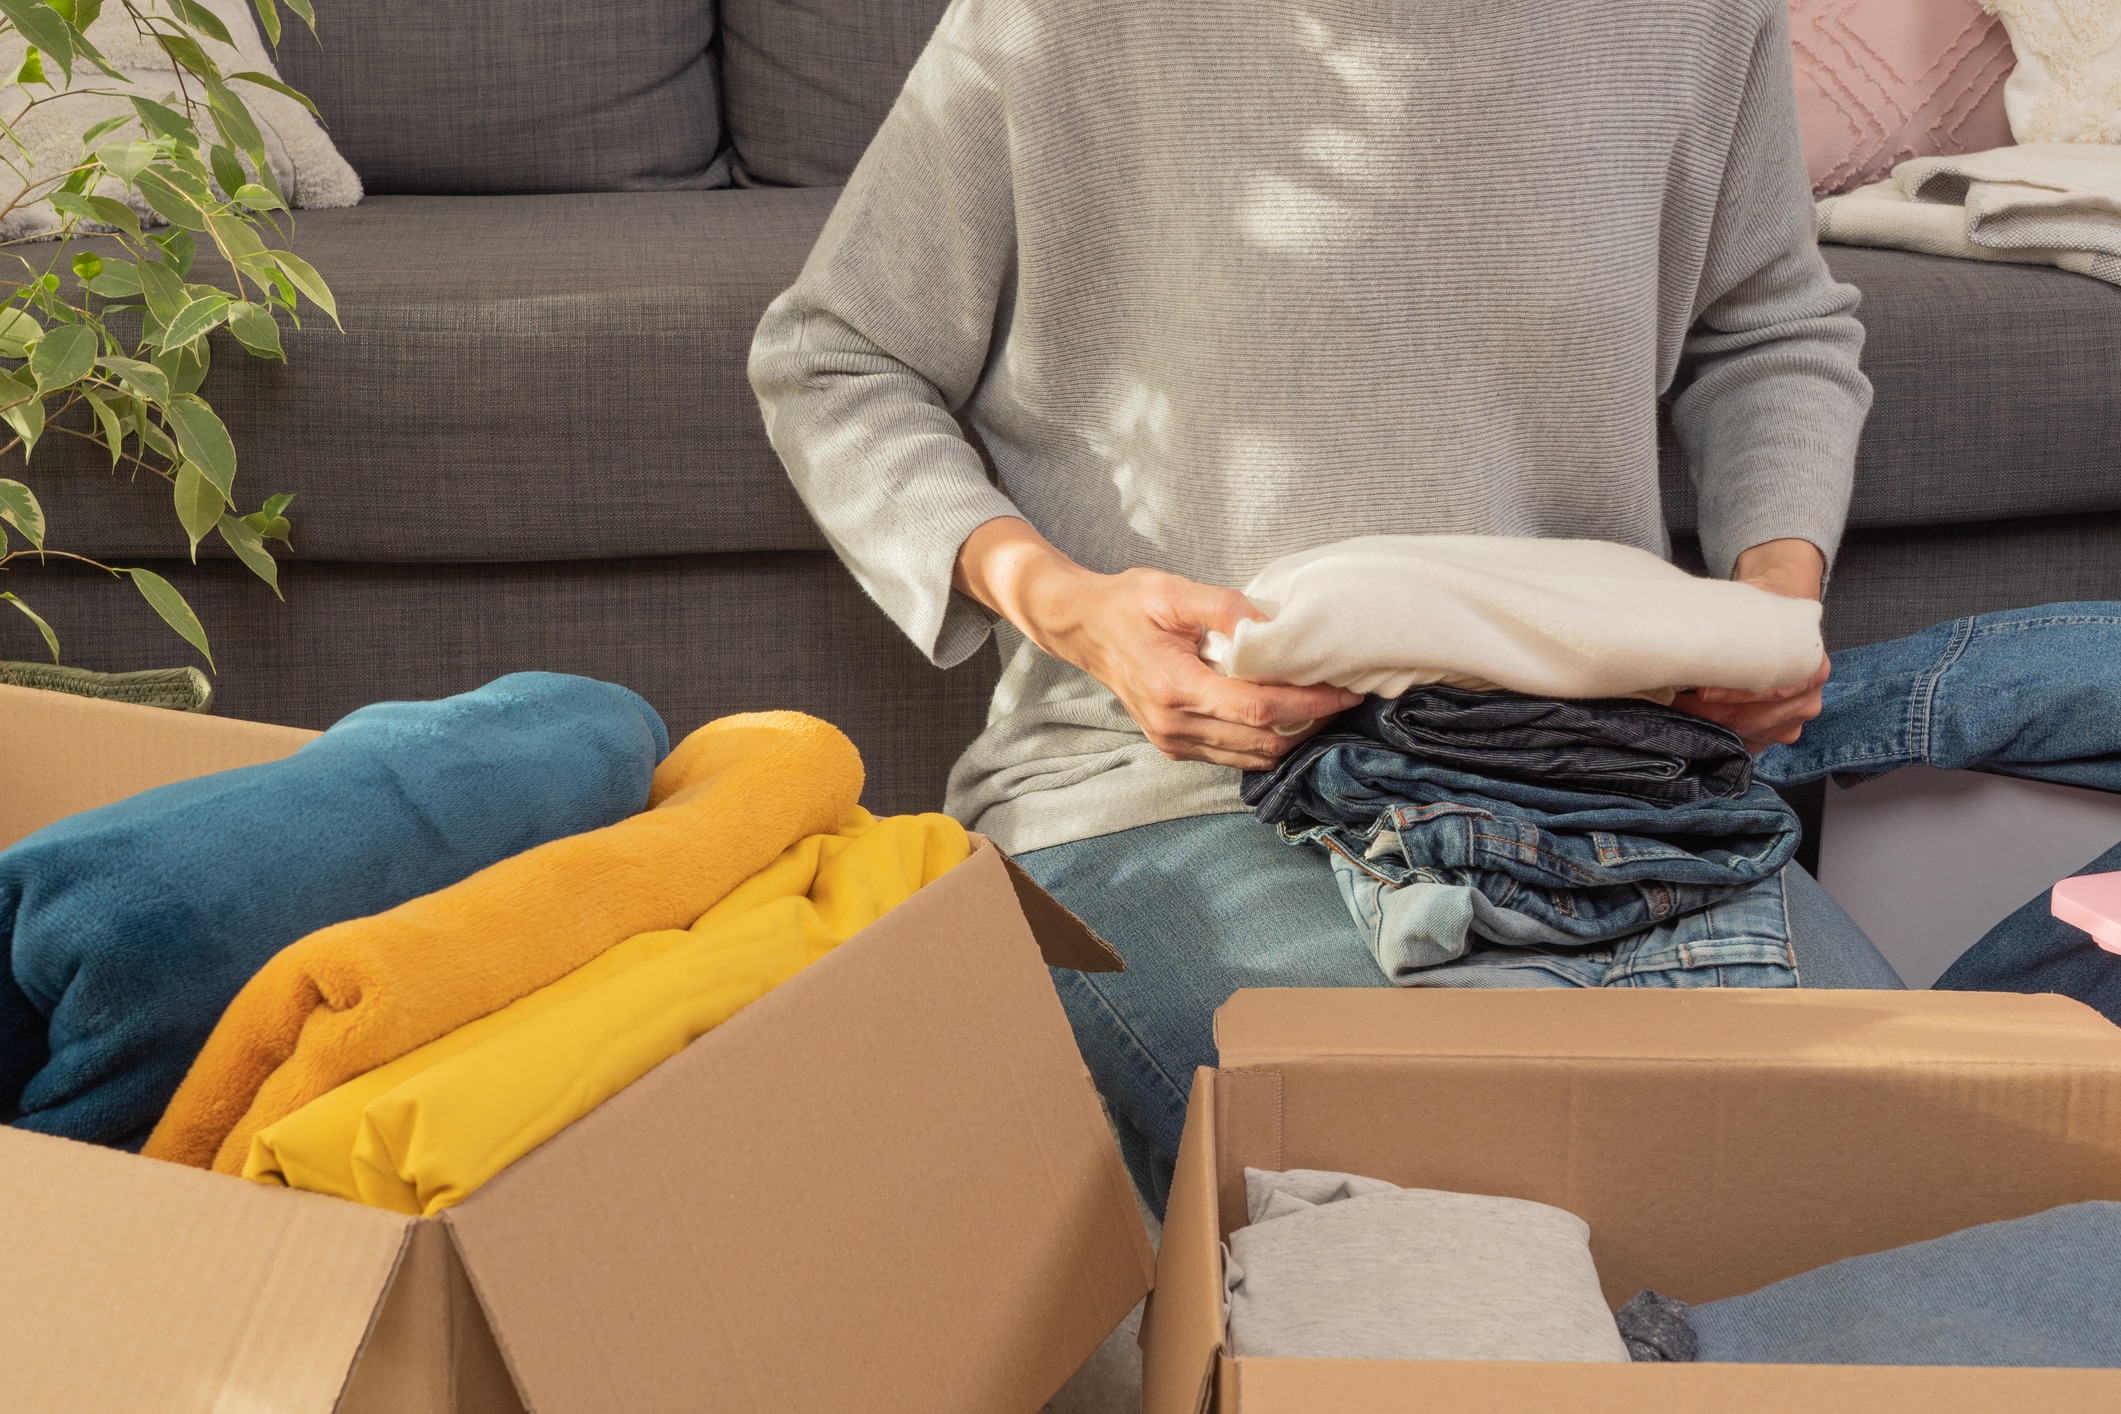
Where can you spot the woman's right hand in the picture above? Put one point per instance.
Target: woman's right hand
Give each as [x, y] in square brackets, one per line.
[1138, 632]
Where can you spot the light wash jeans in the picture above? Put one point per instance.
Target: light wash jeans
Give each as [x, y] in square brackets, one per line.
[1202, 907]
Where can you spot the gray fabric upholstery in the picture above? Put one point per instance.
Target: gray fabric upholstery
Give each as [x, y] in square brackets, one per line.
[807, 82]
[522, 378]
[485, 97]
[1994, 392]
[698, 637]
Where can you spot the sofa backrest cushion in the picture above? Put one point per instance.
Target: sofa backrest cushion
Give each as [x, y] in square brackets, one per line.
[495, 97]
[809, 81]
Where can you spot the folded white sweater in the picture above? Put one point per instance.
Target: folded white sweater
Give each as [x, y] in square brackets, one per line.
[1555, 618]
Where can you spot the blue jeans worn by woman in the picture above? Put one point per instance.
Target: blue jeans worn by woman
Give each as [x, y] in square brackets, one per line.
[1202, 907]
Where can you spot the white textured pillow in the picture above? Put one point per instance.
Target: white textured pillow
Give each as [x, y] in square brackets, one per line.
[308, 168]
[2067, 86]
[1334, 1266]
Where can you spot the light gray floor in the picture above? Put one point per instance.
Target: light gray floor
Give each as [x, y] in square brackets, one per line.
[1927, 861]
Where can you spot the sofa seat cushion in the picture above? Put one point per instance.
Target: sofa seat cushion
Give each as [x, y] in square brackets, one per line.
[488, 97]
[521, 378]
[1994, 392]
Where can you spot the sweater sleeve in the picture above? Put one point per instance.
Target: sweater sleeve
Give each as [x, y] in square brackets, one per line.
[1773, 399]
[864, 364]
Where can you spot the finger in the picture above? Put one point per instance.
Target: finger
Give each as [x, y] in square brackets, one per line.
[1256, 705]
[1214, 734]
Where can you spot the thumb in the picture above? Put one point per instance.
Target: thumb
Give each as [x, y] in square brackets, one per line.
[1192, 607]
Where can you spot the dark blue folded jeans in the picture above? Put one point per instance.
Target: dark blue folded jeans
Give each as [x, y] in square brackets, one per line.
[2027, 692]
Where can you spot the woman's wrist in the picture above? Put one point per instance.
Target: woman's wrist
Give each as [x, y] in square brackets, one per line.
[1012, 569]
[1794, 568]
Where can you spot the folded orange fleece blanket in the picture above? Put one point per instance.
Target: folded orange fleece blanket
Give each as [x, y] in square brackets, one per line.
[360, 994]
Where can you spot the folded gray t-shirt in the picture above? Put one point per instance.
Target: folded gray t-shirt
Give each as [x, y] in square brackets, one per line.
[1338, 1266]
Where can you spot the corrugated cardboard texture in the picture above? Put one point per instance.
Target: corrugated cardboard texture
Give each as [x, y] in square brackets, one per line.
[1390, 1387]
[430, 1350]
[1182, 1331]
[887, 1185]
[1064, 939]
[127, 1284]
[67, 754]
[1714, 1141]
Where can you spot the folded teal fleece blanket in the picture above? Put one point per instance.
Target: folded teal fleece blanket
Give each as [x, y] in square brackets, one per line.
[130, 928]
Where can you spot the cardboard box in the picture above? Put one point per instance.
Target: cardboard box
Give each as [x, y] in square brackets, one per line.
[1714, 1141]
[887, 1185]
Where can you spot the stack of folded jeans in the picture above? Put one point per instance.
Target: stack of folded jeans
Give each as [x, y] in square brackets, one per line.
[1494, 839]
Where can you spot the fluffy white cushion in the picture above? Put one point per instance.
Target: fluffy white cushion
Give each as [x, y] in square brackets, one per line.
[308, 168]
[2067, 86]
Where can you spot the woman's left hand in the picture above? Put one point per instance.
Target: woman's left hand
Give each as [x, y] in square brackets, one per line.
[1790, 567]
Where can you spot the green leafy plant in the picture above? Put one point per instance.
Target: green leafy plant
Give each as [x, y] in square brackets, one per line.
[116, 355]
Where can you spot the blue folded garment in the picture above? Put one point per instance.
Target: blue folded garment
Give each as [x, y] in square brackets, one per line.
[130, 928]
[2040, 1290]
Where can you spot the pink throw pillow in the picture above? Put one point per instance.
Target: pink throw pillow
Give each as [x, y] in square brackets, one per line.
[1880, 81]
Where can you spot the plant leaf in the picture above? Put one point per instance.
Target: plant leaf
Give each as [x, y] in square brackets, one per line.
[118, 280]
[279, 86]
[307, 280]
[161, 120]
[249, 546]
[302, 8]
[19, 508]
[202, 19]
[87, 266]
[26, 415]
[179, 249]
[256, 329]
[199, 505]
[269, 21]
[85, 12]
[164, 289]
[126, 160]
[170, 204]
[204, 441]
[143, 378]
[103, 129]
[64, 356]
[227, 170]
[186, 51]
[51, 640]
[42, 26]
[236, 237]
[258, 198]
[195, 319]
[32, 68]
[107, 421]
[18, 328]
[163, 597]
[112, 212]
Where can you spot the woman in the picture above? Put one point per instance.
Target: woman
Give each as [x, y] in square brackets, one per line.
[1126, 300]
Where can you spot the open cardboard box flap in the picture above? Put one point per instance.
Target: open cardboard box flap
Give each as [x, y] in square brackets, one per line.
[1715, 1141]
[885, 1185]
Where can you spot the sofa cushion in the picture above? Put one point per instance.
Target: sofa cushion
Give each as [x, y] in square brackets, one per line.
[521, 378]
[1994, 392]
[808, 81]
[491, 97]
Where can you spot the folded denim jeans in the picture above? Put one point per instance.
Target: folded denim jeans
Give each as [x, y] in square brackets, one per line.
[1596, 889]
[2026, 692]
[1615, 746]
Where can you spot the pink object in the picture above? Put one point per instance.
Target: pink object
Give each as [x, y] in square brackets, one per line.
[2091, 902]
[1880, 81]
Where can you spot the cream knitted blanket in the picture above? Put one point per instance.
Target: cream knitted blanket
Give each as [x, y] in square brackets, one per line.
[1555, 618]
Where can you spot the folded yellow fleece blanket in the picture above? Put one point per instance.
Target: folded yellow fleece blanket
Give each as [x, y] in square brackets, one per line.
[426, 1130]
[358, 995]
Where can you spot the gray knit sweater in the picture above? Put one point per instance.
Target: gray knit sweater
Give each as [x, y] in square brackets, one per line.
[1191, 284]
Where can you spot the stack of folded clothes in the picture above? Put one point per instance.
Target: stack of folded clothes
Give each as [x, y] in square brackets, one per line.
[1517, 806]
[397, 961]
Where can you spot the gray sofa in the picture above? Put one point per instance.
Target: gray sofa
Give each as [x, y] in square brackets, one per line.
[534, 446]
